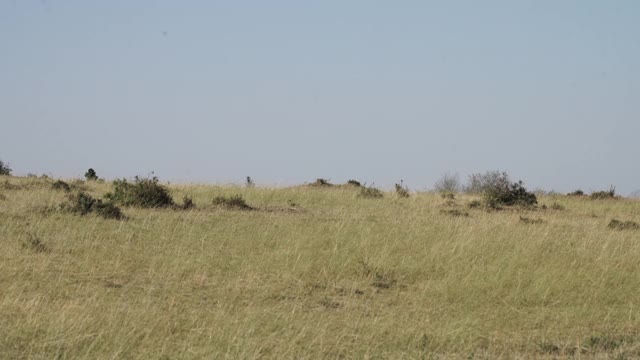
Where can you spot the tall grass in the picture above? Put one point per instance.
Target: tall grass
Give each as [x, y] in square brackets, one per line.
[347, 278]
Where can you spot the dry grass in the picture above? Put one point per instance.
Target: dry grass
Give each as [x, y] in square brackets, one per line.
[346, 278]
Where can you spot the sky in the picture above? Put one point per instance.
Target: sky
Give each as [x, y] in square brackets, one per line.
[290, 91]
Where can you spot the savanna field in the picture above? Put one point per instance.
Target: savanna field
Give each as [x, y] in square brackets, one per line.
[311, 272]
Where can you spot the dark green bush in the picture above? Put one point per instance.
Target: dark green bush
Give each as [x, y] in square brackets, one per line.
[91, 175]
[370, 192]
[4, 168]
[603, 195]
[235, 202]
[61, 185]
[513, 194]
[145, 193]
[107, 210]
[84, 204]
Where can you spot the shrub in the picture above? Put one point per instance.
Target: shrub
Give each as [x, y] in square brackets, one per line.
[91, 175]
[623, 225]
[402, 191]
[145, 193]
[107, 210]
[34, 243]
[576, 193]
[603, 195]
[370, 192]
[556, 206]
[489, 181]
[513, 194]
[321, 183]
[84, 204]
[187, 203]
[233, 202]
[61, 185]
[448, 183]
[354, 183]
[473, 204]
[4, 168]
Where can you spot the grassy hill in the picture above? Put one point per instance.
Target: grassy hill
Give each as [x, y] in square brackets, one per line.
[315, 272]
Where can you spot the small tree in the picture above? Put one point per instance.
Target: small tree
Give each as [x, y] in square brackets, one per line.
[4, 168]
[448, 183]
[489, 181]
[91, 175]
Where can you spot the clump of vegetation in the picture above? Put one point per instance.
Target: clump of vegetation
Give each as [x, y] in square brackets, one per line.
[402, 191]
[84, 204]
[4, 168]
[489, 181]
[576, 193]
[379, 279]
[143, 192]
[370, 192]
[603, 195]
[91, 175]
[320, 182]
[474, 204]
[514, 194]
[526, 220]
[61, 185]
[187, 203]
[249, 182]
[34, 243]
[235, 202]
[354, 183]
[556, 206]
[448, 183]
[623, 225]
[454, 213]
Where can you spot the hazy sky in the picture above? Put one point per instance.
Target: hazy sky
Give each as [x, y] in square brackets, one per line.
[289, 91]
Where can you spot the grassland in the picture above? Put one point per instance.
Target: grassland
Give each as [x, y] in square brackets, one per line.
[315, 273]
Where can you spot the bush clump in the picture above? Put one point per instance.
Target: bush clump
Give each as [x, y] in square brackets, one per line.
[603, 195]
[370, 192]
[143, 192]
[91, 175]
[489, 181]
[576, 193]
[623, 225]
[84, 204]
[320, 182]
[235, 202]
[448, 183]
[187, 203]
[355, 183]
[514, 194]
[4, 168]
[61, 185]
[402, 190]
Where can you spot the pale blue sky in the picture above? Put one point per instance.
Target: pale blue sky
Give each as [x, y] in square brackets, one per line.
[288, 91]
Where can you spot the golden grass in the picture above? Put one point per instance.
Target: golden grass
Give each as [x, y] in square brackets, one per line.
[339, 277]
